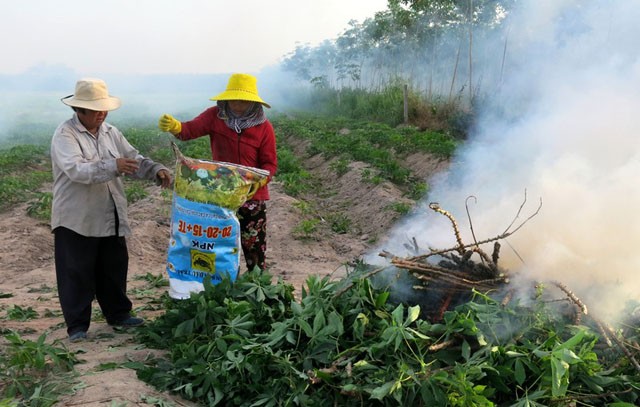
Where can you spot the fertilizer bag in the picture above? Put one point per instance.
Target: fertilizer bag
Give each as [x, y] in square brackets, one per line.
[205, 231]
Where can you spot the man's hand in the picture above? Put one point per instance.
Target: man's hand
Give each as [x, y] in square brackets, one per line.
[168, 123]
[127, 165]
[164, 178]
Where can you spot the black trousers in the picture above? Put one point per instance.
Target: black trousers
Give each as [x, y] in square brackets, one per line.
[88, 268]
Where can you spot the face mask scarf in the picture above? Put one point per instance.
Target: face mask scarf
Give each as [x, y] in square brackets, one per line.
[252, 117]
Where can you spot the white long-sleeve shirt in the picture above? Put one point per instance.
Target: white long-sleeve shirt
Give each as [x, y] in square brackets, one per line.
[87, 188]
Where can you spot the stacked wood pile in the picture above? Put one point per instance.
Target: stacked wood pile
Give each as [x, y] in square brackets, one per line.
[448, 276]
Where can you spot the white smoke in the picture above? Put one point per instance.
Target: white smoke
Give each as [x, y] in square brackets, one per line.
[567, 133]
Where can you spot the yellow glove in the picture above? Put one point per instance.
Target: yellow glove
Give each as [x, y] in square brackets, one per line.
[168, 123]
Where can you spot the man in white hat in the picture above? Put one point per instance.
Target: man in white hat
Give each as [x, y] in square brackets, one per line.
[89, 209]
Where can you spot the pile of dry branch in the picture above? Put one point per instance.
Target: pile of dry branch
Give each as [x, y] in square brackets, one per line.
[456, 271]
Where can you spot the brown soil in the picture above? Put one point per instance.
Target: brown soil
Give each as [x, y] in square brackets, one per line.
[26, 264]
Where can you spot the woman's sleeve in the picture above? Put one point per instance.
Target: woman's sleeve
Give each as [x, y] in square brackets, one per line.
[199, 126]
[267, 156]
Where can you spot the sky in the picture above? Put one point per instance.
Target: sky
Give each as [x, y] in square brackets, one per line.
[168, 36]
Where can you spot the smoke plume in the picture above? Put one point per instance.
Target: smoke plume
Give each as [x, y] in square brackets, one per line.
[563, 126]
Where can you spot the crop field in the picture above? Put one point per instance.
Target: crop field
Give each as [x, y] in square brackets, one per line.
[353, 340]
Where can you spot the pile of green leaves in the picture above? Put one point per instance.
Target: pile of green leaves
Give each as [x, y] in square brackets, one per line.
[35, 373]
[344, 343]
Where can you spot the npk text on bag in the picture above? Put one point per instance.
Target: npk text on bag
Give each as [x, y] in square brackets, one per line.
[205, 231]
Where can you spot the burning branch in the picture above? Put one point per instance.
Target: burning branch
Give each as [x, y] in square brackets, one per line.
[461, 247]
[452, 277]
[608, 334]
[507, 298]
[466, 205]
[436, 207]
[413, 247]
[442, 345]
[612, 335]
[572, 296]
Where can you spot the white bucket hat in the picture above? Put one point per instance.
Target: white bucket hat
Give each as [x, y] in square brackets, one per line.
[92, 94]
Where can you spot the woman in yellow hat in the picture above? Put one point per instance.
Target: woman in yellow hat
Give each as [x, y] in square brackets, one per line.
[240, 133]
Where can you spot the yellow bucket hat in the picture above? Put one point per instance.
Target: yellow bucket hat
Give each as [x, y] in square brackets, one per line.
[241, 86]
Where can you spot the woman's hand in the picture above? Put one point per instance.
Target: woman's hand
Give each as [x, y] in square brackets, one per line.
[168, 123]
